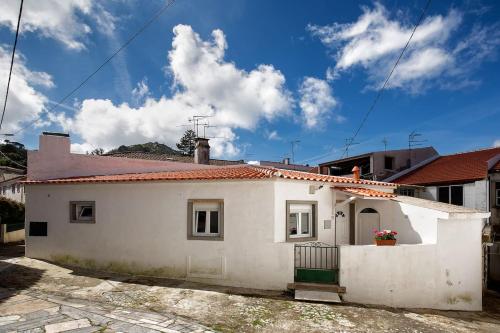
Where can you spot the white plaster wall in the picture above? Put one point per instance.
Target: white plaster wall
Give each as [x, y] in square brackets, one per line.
[145, 226]
[475, 194]
[54, 160]
[445, 275]
[16, 196]
[299, 190]
[481, 195]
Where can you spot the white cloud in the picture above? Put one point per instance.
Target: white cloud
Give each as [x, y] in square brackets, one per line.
[375, 40]
[141, 91]
[496, 143]
[25, 102]
[205, 84]
[57, 19]
[273, 135]
[316, 102]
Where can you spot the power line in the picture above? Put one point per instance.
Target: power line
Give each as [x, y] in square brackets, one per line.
[11, 160]
[124, 45]
[12, 62]
[388, 77]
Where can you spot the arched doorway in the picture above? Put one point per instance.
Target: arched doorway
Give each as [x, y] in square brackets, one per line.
[368, 219]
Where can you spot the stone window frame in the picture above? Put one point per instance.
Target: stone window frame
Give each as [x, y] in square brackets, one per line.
[72, 212]
[314, 223]
[190, 216]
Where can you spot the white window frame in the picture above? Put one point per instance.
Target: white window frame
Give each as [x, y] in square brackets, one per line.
[299, 209]
[206, 207]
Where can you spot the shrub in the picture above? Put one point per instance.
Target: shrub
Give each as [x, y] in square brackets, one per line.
[11, 211]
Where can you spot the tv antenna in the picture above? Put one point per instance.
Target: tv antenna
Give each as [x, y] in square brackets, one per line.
[385, 142]
[348, 143]
[414, 140]
[293, 143]
[196, 123]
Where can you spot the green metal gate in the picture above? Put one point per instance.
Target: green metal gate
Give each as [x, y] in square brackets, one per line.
[316, 262]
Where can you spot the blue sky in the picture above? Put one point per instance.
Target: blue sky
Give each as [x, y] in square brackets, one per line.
[267, 72]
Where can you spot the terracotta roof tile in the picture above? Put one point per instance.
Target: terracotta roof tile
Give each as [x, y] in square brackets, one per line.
[454, 168]
[230, 172]
[365, 192]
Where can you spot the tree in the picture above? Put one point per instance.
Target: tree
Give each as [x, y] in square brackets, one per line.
[186, 143]
[97, 151]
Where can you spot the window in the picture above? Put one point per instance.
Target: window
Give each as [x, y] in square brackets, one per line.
[205, 219]
[18, 187]
[301, 220]
[409, 192]
[497, 193]
[38, 229]
[389, 162]
[453, 194]
[13, 188]
[4, 190]
[82, 211]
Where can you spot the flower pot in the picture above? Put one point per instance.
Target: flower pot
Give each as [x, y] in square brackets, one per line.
[385, 242]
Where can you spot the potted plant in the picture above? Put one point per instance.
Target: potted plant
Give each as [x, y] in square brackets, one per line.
[385, 237]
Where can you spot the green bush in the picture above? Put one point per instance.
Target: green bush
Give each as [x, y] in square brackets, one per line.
[11, 211]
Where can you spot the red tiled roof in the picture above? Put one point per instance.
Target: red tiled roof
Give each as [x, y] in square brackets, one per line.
[170, 157]
[365, 192]
[454, 168]
[232, 172]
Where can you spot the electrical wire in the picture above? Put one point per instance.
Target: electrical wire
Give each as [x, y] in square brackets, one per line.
[381, 90]
[11, 63]
[105, 62]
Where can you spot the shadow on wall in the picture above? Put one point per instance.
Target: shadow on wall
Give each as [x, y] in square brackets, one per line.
[406, 233]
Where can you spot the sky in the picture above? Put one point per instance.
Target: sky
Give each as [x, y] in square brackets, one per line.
[266, 73]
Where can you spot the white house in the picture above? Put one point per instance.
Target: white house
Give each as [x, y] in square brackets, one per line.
[251, 226]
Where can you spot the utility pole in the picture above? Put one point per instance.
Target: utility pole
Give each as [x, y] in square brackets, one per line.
[413, 141]
[293, 143]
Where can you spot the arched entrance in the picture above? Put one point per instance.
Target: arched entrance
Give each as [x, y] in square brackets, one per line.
[368, 219]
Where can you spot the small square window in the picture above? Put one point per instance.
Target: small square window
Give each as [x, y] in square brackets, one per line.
[205, 219]
[82, 211]
[38, 229]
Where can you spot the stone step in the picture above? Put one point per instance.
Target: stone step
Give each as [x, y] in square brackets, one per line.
[317, 296]
[316, 287]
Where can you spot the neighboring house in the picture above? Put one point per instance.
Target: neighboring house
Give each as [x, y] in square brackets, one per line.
[13, 188]
[172, 158]
[7, 173]
[250, 226]
[288, 166]
[470, 179]
[379, 165]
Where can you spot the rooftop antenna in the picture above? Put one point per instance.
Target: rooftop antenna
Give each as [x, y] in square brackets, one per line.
[348, 143]
[413, 141]
[385, 142]
[293, 143]
[196, 122]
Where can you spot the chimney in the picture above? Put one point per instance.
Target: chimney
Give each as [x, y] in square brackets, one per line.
[355, 172]
[54, 144]
[286, 160]
[201, 151]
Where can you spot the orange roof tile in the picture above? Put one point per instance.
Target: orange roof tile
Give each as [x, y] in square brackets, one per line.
[456, 168]
[365, 192]
[231, 172]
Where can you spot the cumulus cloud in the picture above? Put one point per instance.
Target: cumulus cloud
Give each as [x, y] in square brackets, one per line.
[375, 40]
[496, 143]
[141, 91]
[25, 102]
[273, 135]
[204, 84]
[316, 101]
[57, 19]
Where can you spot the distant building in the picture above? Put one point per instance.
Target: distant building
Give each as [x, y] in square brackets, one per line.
[379, 165]
[11, 186]
[285, 164]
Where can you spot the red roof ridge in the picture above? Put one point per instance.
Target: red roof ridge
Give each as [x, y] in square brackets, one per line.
[226, 172]
[471, 151]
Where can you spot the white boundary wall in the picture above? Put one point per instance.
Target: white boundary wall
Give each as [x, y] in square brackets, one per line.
[445, 275]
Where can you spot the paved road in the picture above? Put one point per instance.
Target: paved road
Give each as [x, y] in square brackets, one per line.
[37, 312]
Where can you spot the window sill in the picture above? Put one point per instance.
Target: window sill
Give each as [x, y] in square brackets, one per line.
[301, 239]
[208, 238]
[82, 222]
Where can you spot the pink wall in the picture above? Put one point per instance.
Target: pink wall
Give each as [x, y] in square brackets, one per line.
[53, 159]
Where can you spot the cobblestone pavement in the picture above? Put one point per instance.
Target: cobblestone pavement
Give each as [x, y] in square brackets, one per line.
[38, 312]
